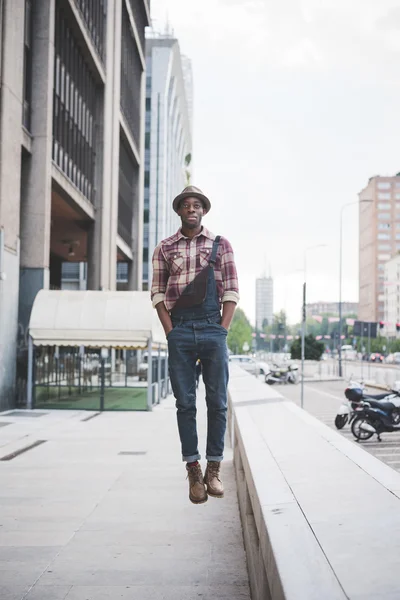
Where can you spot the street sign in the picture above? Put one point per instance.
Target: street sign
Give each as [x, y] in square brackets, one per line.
[365, 329]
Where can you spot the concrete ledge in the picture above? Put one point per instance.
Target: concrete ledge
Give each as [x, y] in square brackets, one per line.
[311, 503]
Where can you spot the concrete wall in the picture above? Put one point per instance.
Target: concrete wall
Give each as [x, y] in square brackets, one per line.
[10, 173]
[8, 327]
[307, 496]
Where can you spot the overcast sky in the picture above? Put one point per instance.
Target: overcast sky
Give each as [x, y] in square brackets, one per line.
[296, 105]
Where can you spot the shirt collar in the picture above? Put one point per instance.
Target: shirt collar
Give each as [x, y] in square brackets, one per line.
[204, 231]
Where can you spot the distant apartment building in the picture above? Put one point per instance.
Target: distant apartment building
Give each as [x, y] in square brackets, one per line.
[392, 296]
[168, 139]
[72, 97]
[379, 241]
[332, 308]
[264, 302]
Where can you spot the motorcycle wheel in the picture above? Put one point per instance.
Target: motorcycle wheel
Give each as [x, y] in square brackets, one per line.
[269, 381]
[340, 421]
[358, 433]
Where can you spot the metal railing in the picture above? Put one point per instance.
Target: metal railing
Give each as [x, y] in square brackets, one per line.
[140, 18]
[127, 193]
[94, 14]
[27, 93]
[74, 124]
[131, 74]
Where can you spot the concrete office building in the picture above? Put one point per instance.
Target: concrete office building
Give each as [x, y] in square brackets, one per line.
[264, 302]
[332, 308]
[379, 241]
[71, 153]
[168, 139]
[392, 296]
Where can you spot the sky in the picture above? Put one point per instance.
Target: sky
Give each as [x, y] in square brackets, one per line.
[296, 105]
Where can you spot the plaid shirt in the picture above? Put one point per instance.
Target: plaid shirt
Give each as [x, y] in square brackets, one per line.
[177, 260]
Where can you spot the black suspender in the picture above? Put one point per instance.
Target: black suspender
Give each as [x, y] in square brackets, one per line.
[214, 251]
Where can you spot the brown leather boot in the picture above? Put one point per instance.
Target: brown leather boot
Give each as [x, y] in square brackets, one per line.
[197, 489]
[212, 479]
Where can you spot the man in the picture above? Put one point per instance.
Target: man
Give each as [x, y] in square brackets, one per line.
[194, 274]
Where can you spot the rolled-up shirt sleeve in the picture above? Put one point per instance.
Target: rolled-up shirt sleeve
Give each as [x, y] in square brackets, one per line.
[160, 277]
[229, 274]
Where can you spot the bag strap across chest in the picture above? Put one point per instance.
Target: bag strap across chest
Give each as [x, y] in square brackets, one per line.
[213, 258]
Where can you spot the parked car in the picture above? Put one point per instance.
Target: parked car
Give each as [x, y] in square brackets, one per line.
[348, 353]
[250, 364]
[376, 357]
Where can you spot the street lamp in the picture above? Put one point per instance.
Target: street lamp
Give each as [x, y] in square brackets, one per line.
[303, 321]
[340, 278]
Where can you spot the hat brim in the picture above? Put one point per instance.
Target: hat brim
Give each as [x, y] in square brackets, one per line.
[202, 197]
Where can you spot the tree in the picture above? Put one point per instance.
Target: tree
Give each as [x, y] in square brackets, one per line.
[278, 328]
[313, 350]
[240, 332]
[188, 161]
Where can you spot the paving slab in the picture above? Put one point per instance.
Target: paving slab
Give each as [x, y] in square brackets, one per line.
[101, 512]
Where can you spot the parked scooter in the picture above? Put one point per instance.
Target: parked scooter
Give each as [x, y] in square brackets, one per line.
[355, 395]
[286, 374]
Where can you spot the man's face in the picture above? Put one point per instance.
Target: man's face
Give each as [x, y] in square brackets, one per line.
[191, 212]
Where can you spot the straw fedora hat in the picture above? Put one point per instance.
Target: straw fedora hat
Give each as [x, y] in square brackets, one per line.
[191, 192]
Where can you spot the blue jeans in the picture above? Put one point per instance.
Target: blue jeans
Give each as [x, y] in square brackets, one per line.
[204, 339]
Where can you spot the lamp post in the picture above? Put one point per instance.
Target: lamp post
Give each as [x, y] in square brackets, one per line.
[303, 320]
[340, 278]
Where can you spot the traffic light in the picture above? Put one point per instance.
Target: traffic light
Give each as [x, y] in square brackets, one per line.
[397, 326]
[381, 324]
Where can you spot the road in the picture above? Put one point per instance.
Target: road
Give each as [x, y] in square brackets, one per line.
[323, 399]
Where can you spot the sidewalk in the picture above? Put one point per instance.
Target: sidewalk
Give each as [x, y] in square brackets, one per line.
[81, 521]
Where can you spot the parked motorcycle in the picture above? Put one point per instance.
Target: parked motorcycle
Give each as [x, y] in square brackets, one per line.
[355, 395]
[375, 419]
[286, 374]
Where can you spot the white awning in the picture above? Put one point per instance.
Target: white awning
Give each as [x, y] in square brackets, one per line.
[99, 319]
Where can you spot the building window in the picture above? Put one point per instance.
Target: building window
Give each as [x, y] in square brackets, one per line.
[148, 104]
[384, 257]
[147, 141]
[94, 14]
[26, 109]
[381, 267]
[383, 216]
[397, 236]
[147, 179]
[74, 125]
[384, 247]
[383, 236]
[131, 74]
[384, 185]
[70, 271]
[122, 272]
[383, 225]
[146, 215]
[383, 205]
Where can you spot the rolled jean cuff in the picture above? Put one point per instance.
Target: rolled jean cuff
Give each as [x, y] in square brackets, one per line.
[192, 458]
[215, 458]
